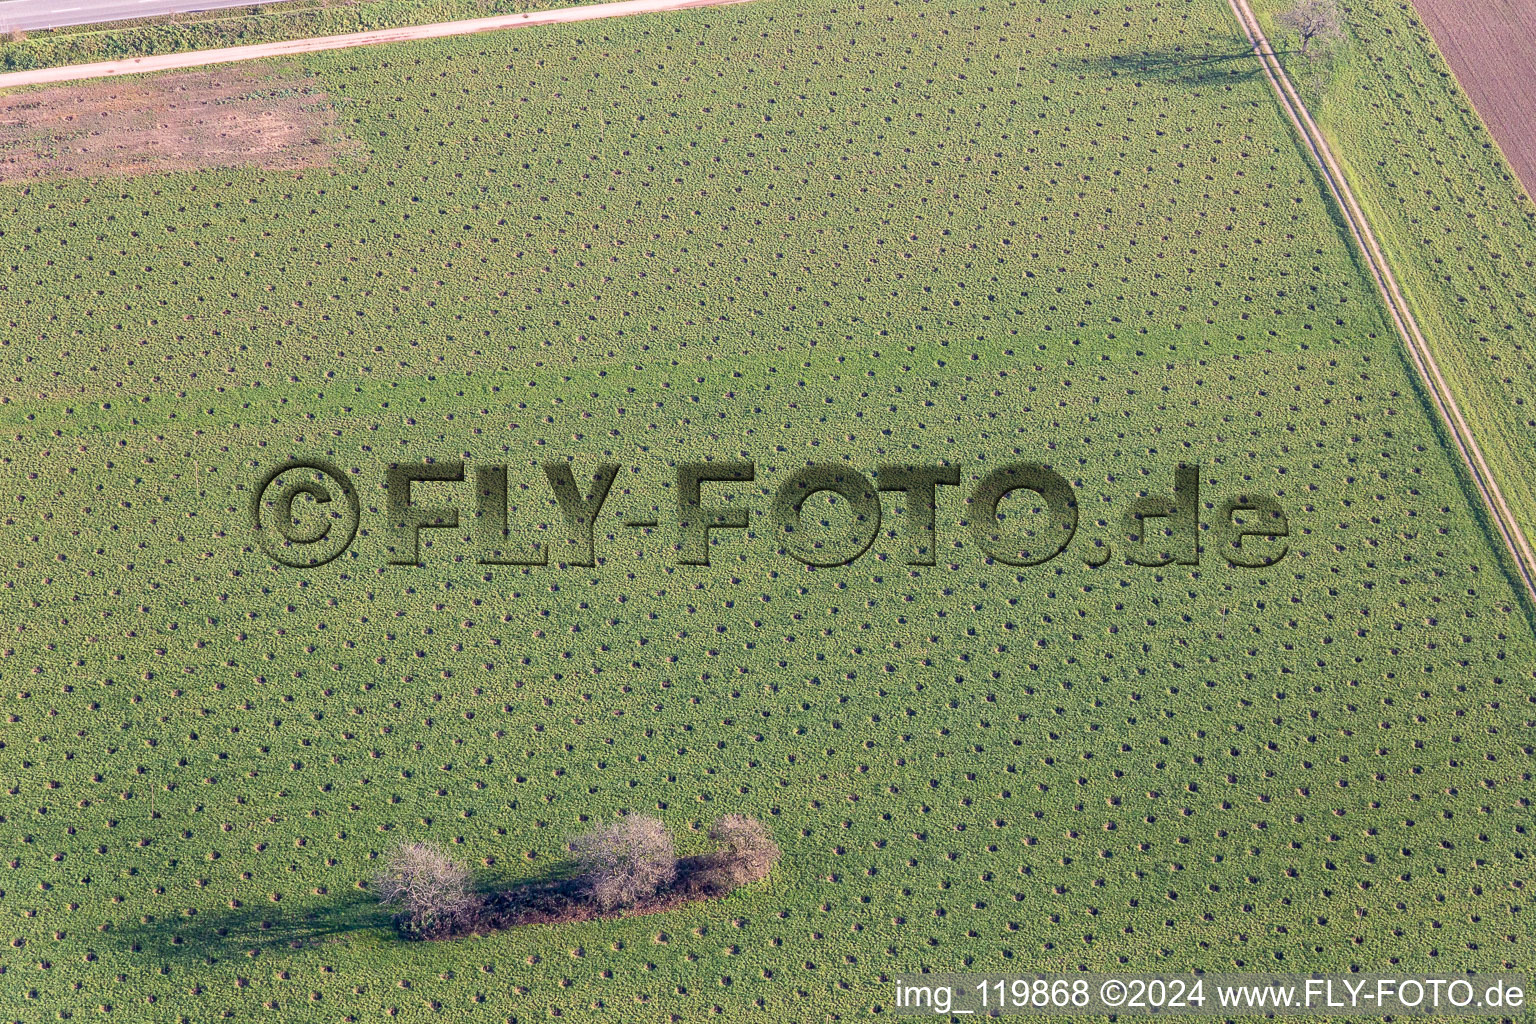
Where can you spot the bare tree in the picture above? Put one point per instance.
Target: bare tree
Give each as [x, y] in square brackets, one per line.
[431, 891]
[747, 848]
[626, 862]
[1315, 21]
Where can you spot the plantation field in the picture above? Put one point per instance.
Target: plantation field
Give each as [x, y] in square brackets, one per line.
[1451, 215]
[902, 233]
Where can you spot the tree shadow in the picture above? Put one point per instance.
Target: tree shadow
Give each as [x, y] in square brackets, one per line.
[563, 896]
[210, 936]
[557, 895]
[1235, 61]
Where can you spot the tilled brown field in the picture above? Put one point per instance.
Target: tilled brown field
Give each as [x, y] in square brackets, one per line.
[1491, 46]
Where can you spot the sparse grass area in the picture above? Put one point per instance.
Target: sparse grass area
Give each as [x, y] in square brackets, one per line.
[251, 116]
[904, 232]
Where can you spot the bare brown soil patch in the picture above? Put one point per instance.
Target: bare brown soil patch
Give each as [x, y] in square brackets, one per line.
[1491, 47]
[179, 122]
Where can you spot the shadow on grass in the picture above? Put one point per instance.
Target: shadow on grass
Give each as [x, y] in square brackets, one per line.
[1235, 62]
[210, 936]
[557, 896]
[563, 897]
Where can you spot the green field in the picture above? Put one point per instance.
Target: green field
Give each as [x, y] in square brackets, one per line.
[902, 232]
[1452, 217]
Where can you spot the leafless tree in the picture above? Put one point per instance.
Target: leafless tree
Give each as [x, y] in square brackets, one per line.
[747, 847]
[429, 888]
[626, 862]
[1315, 21]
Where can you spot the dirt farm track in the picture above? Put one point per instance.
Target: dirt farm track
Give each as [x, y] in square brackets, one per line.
[1491, 46]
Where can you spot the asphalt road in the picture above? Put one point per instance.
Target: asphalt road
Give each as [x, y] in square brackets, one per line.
[37, 14]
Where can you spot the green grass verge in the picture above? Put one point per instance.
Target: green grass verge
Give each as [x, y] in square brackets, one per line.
[235, 26]
[902, 232]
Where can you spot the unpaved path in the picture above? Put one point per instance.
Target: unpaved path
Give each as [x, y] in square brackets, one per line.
[229, 54]
[1418, 348]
